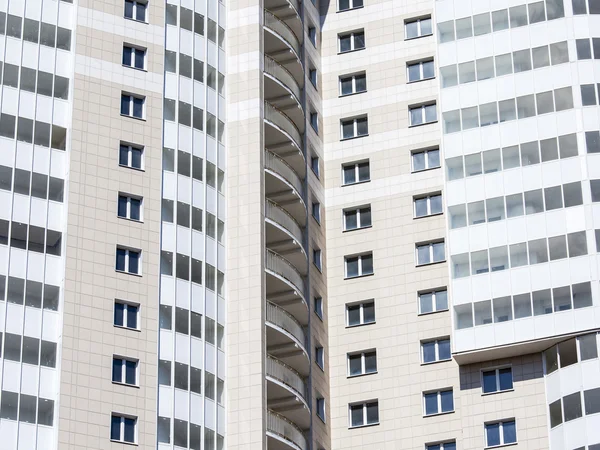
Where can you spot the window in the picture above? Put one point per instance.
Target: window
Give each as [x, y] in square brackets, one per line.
[360, 314]
[321, 408]
[427, 206]
[312, 35]
[353, 84]
[357, 218]
[427, 159]
[365, 413]
[320, 357]
[500, 433]
[497, 380]
[352, 128]
[315, 166]
[132, 106]
[130, 207]
[314, 121]
[126, 315]
[130, 156]
[430, 253]
[135, 10]
[316, 211]
[362, 363]
[433, 301]
[128, 260]
[418, 71]
[312, 75]
[319, 307]
[355, 173]
[422, 114]
[358, 266]
[123, 428]
[351, 41]
[417, 28]
[134, 57]
[124, 371]
[451, 445]
[435, 350]
[317, 259]
[345, 5]
[438, 402]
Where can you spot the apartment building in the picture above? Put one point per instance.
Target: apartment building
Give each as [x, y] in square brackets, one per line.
[355, 224]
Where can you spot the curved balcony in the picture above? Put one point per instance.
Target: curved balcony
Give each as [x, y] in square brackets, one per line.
[287, 392]
[284, 186]
[285, 38]
[282, 434]
[286, 339]
[284, 235]
[283, 91]
[281, 268]
[282, 123]
[288, 11]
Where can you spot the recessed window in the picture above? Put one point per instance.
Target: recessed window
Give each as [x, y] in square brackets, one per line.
[500, 433]
[351, 41]
[438, 402]
[358, 266]
[352, 128]
[345, 5]
[126, 315]
[319, 307]
[129, 207]
[435, 350]
[124, 371]
[123, 428]
[312, 35]
[312, 76]
[364, 413]
[357, 218]
[418, 71]
[359, 173]
[430, 253]
[427, 159]
[128, 260]
[318, 259]
[315, 166]
[132, 106]
[314, 121]
[362, 363]
[321, 408]
[433, 301]
[422, 114]
[134, 57]
[320, 357]
[135, 10]
[130, 156]
[353, 84]
[316, 211]
[428, 205]
[418, 28]
[451, 445]
[360, 313]
[497, 380]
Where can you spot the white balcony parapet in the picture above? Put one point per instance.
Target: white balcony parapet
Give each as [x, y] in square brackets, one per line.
[278, 165]
[284, 320]
[282, 427]
[288, 376]
[282, 30]
[283, 122]
[280, 73]
[279, 265]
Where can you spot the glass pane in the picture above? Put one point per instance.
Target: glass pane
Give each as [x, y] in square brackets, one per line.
[505, 379]
[444, 349]
[431, 403]
[428, 351]
[588, 347]
[492, 432]
[489, 381]
[426, 302]
[355, 364]
[447, 401]
[369, 312]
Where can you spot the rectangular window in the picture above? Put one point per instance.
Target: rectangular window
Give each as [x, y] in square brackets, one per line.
[351, 41]
[433, 301]
[500, 433]
[314, 165]
[419, 71]
[357, 218]
[364, 413]
[430, 252]
[135, 10]
[312, 75]
[438, 402]
[318, 259]
[358, 266]
[132, 106]
[451, 445]
[345, 5]
[134, 57]
[362, 363]
[320, 357]
[435, 350]
[497, 380]
[353, 84]
[312, 35]
[124, 371]
[352, 128]
[427, 206]
[417, 28]
[126, 315]
[128, 260]
[360, 314]
[316, 211]
[422, 114]
[427, 159]
[129, 207]
[321, 408]
[314, 121]
[355, 173]
[131, 156]
[319, 307]
[123, 428]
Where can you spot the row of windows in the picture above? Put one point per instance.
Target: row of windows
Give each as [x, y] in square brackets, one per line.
[520, 306]
[194, 69]
[35, 184]
[190, 378]
[190, 323]
[192, 21]
[195, 120]
[34, 31]
[585, 46]
[571, 352]
[29, 350]
[31, 237]
[586, 7]
[588, 94]
[570, 406]
[29, 292]
[180, 434]
[36, 81]
[27, 408]
[191, 166]
[45, 134]
[514, 17]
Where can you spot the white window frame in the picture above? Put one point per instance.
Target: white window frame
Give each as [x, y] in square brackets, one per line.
[418, 21]
[360, 268]
[352, 35]
[126, 307]
[501, 422]
[318, 259]
[127, 215]
[320, 357]
[130, 113]
[362, 314]
[430, 245]
[423, 115]
[437, 350]
[320, 410]
[433, 300]
[428, 198]
[354, 121]
[439, 402]
[318, 306]
[127, 252]
[353, 77]
[364, 408]
[497, 375]
[441, 444]
[363, 370]
[420, 64]
[427, 165]
[356, 172]
[122, 430]
[350, 6]
[135, 3]
[130, 148]
[124, 372]
[359, 225]
[316, 208]
[135, 49]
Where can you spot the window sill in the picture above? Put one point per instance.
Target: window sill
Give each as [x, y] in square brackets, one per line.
[349, 9]
[321, 419]
[363, 426]
[119, 383]
[433, 312]
[357, 229]
[132, 168]
[136, 118]
[418, 37]
[426, 170]
[351, 94]
[359, 276]
[430, 263]
[435, 362]
[485, 394]
[421, 80]
[130, 220]
[360, 325]
[127, 328]
[351, 51]
[135, 68]
[357, 182]
[438, 414]
[361, 375]
[118, 441]
[137, 21]
[129, 273]
[501, 445]
[422, 124]
[354, 137]
[318, 268]
[428, 215]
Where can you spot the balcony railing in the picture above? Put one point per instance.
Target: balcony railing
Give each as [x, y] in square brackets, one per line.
[279, 215]
[284, 428]
[280, 73]
[284, 31]
[283, 319]
[279, 265]
[278, 165]
[288, 376]
[282, 121]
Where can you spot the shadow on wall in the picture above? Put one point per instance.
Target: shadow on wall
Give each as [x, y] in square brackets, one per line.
[524, 368]
[323, 9]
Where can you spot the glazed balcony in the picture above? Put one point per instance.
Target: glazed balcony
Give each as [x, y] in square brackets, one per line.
[287, 392]
[282, 44]
[286, 339]
[282, 434]
[284, 186]
[285, 236]
[283, 91]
